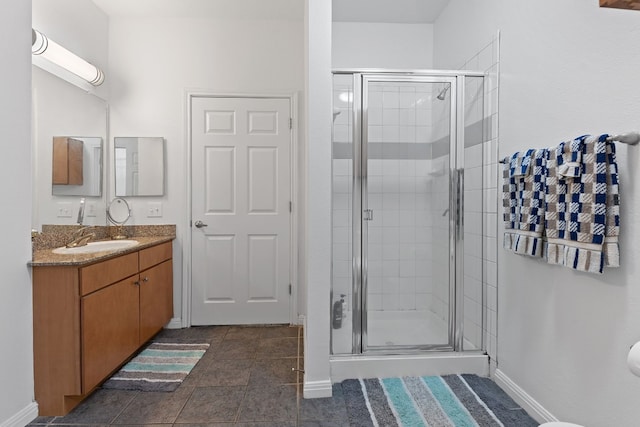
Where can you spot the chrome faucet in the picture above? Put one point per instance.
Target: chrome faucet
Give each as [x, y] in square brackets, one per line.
[80, 238]
[81, 212]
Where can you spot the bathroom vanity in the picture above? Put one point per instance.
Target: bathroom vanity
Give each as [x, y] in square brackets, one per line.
[91, 313]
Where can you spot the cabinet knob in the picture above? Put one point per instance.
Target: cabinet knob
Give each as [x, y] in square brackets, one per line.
[146, 279]
[136, 282]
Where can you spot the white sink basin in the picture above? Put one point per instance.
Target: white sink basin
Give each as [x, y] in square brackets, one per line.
[91, 247]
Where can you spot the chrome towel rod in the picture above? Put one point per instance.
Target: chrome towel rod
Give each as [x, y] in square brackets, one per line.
[630, 138]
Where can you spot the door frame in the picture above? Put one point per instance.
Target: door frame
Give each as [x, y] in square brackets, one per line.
[293, 194]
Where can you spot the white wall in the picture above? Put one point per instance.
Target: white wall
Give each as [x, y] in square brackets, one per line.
[16, 359]
[378, 45]
[62, 109]
[153, 61]
[567, 68]
[317, 71]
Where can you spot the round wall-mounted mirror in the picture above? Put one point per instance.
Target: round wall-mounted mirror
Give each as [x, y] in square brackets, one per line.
[118, 211]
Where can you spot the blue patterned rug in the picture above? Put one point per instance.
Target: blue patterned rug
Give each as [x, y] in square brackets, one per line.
[446, 401]
[161, 366]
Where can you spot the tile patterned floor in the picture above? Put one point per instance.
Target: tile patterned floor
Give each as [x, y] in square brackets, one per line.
[244, 379]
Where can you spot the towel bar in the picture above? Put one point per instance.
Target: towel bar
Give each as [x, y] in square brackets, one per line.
[630, 138]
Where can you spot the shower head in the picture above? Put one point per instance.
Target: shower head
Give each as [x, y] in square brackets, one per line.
[336, 114]
[443, 92]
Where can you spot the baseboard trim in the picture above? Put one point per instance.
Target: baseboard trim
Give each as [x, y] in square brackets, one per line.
[532, 406]
[174, 323]
[317, 389]
[23, 417]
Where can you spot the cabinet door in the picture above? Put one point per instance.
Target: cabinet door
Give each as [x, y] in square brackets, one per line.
[156, 299]
[110, 330]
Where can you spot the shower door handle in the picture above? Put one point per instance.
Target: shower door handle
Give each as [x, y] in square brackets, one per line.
[367, 215]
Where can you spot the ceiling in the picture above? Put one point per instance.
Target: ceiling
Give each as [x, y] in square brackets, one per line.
[390, 11]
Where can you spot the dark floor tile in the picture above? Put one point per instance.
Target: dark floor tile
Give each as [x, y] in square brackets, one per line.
[244, 333]
[278, 347]
[196, 373]
[226, 372]
[277, 403]
[236, 349]
[154, 408]
[212, 404]
[193, 334]
[269, 372]
[41, 421]
[280, 331]
[102, 407]
[268, 424]
[324, 423]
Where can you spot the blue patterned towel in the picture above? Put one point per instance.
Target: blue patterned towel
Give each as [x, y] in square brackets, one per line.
[582, 214]
[523, 195]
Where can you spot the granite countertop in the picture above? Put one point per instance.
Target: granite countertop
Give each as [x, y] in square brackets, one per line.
[46, 257]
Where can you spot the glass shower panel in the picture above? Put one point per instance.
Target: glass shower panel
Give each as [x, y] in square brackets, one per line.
[407, 222]
[342, 183]
[475, 176]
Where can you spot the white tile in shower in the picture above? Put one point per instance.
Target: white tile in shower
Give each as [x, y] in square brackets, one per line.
[390, 285]
[375, 116]
[390, 167]
[407, 167]
[375, 98]
[390, 235]
[341, 218]
[407, 98]
[390, 116]
[390, 302]
[342, 269]
[391, 200]
[374, 285]
[391, 133]
[341, 252]
[491, 200]
[375, 133]
[390, 251]
[407, 186]
[407, 200]
[490, 245]
[406, 302]
[374, 302]
[490, 224]
[341, 133]
[473, 266]
[390, 218]
[390, 184]
[490, 273]
[407, 218]
[407, 134]
[407, 117]
[390, 98]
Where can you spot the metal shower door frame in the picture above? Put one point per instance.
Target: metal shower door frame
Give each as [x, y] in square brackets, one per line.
[361, 79]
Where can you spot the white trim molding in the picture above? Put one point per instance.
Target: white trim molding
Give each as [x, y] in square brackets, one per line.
[522, 398]
[317, 389]
[22, 417]
[174, 323]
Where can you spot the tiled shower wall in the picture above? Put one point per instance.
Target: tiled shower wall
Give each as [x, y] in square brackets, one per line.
[481, 178]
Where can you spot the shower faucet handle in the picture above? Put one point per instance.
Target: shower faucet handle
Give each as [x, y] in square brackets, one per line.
[368, 215]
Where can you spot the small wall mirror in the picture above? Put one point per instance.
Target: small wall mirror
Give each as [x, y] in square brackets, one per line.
[77, 166]
[139, 166]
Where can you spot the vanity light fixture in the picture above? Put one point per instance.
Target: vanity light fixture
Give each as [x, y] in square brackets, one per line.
[52, 51]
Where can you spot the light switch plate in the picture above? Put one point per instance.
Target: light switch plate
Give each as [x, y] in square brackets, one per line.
[64, 209]
[154, 210]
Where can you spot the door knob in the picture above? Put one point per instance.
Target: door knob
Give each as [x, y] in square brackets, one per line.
[200, 224]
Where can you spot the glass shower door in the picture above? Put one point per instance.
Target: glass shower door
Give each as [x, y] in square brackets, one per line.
[408, 220]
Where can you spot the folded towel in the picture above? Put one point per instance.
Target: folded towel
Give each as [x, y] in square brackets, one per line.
[582, 215]
[523, 201]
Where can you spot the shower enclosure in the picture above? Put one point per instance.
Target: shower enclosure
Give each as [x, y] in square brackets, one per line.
[407, 212]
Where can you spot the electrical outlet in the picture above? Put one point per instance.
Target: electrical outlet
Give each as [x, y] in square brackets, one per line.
[91, 209]
[64, 209]
[154, 210]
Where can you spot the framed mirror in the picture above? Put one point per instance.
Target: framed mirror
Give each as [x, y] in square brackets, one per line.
[76, 168]
[139, 166]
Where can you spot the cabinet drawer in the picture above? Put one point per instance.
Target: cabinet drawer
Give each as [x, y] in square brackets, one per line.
[102, 274]
[155, 255]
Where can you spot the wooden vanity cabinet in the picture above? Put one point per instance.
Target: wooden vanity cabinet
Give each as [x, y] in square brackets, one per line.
[89, 320]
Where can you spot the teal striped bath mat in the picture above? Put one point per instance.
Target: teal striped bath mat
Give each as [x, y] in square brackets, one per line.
[446, 401]
[159, 367]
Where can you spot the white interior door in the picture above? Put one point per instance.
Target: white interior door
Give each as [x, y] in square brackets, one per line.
[240, 210]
